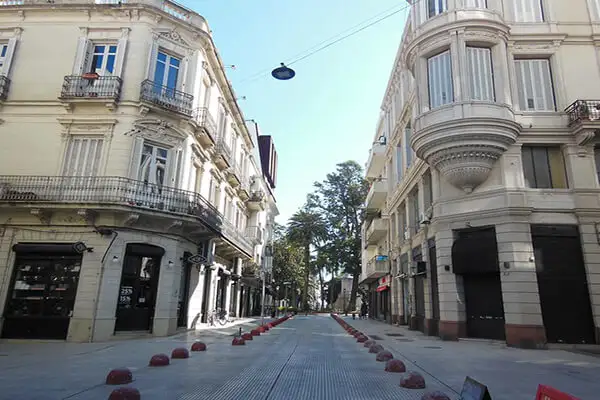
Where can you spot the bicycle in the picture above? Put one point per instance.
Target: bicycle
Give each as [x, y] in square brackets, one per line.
[219, 315]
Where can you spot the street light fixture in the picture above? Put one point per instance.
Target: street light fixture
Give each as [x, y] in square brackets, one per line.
[283, 73]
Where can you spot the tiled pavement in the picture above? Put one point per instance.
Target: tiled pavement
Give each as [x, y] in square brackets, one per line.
[304, 358]
[511, 374]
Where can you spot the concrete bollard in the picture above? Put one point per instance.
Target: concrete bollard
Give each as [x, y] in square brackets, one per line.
[384, 355]
[395, 365]
[119, 376]
[437, 395]
[159, 360]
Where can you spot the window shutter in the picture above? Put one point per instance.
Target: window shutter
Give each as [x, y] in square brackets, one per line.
[407, 134]
[136, 157]
[152, 52]
[480, 71]
[595, 9]
[189, 76]
[475, 4]
[527, 10]
[82, 157]
[120, 59]
[174, 160]
[10, 51]
[534, 85]
[440, 80]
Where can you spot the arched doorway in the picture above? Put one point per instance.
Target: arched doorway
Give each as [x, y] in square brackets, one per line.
[139, 287]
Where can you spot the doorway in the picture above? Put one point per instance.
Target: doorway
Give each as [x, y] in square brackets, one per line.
[475, 258]
[206, 294]
[418, 322]
[562, 284]
[139, 287]
[42, 292]
[435, 298]
[184, 291]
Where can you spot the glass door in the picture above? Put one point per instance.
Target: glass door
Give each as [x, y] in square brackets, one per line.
[166, 74]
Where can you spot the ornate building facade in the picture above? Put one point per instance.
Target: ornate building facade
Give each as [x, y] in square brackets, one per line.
[132, 195]
[483, 217]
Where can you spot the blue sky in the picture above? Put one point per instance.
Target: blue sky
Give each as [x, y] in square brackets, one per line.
[327, 113]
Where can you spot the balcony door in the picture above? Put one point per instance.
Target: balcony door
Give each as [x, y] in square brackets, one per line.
[166, 74]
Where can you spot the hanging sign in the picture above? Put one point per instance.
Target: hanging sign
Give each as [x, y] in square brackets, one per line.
[549, 393]
[473, 390]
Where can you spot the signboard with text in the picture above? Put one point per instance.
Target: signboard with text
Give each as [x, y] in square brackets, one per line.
[473, 390]
[549, 393]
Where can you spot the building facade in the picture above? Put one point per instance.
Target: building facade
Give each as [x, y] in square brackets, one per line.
[132, 194]
[484, 212]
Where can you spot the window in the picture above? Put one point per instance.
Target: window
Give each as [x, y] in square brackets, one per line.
[103, 59]
[527, 10]
[544, 167]
[439, 72]
[597, 159]
[212, 191]
[153, 165]
[534, 85]
[82, 157]
[475, 3]
[407, 148]
[206, 100]
[437, 7]
[3, 51]
[481, 76]
[6, 54]
[166, 72]
[414, 202]
[595, 9]
[399, 166]
[402, 222]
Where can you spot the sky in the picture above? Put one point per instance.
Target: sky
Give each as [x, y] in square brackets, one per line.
[328, 113]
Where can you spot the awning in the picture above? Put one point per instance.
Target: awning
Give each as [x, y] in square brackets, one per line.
[384, 283]
[382, 288]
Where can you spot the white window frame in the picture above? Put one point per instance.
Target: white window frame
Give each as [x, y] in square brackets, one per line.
[83, 156]
[7, 59]
[85, 53]
[594, 7]
[527, 11]
[435, 7]
[530, 98]
[169, 56]
[481, 73]
[476, 4]
[440, 79]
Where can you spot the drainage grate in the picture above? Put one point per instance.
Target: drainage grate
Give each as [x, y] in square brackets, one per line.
[394, 334]
[375, 337]
[432, 347]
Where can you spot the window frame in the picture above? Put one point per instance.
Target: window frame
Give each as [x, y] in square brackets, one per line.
[529, 161]
[436, 7]
[430, 86]
[522, 84]
[70, 157]
[491, 84]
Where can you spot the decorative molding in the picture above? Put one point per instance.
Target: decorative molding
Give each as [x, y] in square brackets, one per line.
[43, 215]
[159, 130]
[88, 216]
[131, 219]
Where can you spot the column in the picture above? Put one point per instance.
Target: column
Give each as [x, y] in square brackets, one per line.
[522, 311]
[590, 232]
[459, 58]
[196, 295]
[227, 292]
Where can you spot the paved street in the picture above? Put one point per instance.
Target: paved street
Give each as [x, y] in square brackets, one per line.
[303, 358]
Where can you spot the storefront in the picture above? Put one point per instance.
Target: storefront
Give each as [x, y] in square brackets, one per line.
[42, 291]
[384, 298]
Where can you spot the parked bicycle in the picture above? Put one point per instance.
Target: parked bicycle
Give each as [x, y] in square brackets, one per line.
[219, 316]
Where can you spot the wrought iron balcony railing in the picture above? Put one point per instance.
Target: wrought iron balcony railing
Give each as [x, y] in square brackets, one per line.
[205, 120]
[167, 98]
[100, 87]
[4, 86]
[233, 234]
[222, 148]
[254, 233]
[104, 191]
[583, 111]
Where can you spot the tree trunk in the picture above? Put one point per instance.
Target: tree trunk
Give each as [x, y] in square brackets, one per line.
[305, 305]
[322, 286]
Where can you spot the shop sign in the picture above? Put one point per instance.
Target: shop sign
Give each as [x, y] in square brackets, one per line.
[381, 258]
[383, 283]
[473, 390]
[125, 295]
[549, 393]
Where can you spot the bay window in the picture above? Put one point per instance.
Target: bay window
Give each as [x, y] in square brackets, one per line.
[527, 10]
[480, 71]
[436, 7]
[439, 74]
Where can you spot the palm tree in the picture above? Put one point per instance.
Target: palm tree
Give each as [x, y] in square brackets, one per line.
[306, 229]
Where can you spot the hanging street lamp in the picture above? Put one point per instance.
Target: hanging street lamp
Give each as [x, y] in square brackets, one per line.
[283, 73]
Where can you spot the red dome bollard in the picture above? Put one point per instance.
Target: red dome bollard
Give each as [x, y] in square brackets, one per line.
[270, 325]
[395, 365]
[255, 332]
[180, 353]
[125, 393]
[437, 395]
[119, 376]
[412, 380]
[370, 343]
[247, 336]
[159, 360]
[358, 334]
[362, 339]
[261, 329]
[376, 348]
[266, 327]
[384, 356]
[198, 346]
[237, 341]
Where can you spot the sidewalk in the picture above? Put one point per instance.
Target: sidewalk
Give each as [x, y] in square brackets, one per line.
[509, 373]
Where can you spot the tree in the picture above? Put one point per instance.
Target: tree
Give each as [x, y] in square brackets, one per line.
[306, 229]
[287, 262]
[340, 199]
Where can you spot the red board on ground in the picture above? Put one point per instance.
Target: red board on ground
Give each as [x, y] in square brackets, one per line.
[549, 393]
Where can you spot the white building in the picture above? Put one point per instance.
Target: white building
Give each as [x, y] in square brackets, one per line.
[484, 212]
[132, 195]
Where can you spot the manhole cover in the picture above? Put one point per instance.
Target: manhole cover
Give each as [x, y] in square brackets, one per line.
[404, 340]
[394, 334]
[431, 347]
[375, 337]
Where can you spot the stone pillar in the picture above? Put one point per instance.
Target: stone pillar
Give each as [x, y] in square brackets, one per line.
[227, 292]
[212, 289]
[590, 234]
[524, 326]
[196, 296]
[580, 166]
[452, 304]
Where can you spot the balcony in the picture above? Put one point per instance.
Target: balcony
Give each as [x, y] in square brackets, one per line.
[244, 188]
[377, 195]
[91, 88]
[237, 238]
[105, 192]
[256, 201]
[222, 155]
[255, 234]
[376, 230]
[4, 86]
[166, 98]
[377, 267]
[584, 120]
[376, 161]
[234, 176]
[205, 126]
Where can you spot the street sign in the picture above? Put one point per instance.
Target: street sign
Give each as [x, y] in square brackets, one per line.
[473, 390]
[197, 259]
[549, 393]
[79, 247]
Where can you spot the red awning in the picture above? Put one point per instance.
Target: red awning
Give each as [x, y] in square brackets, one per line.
[382, 288]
